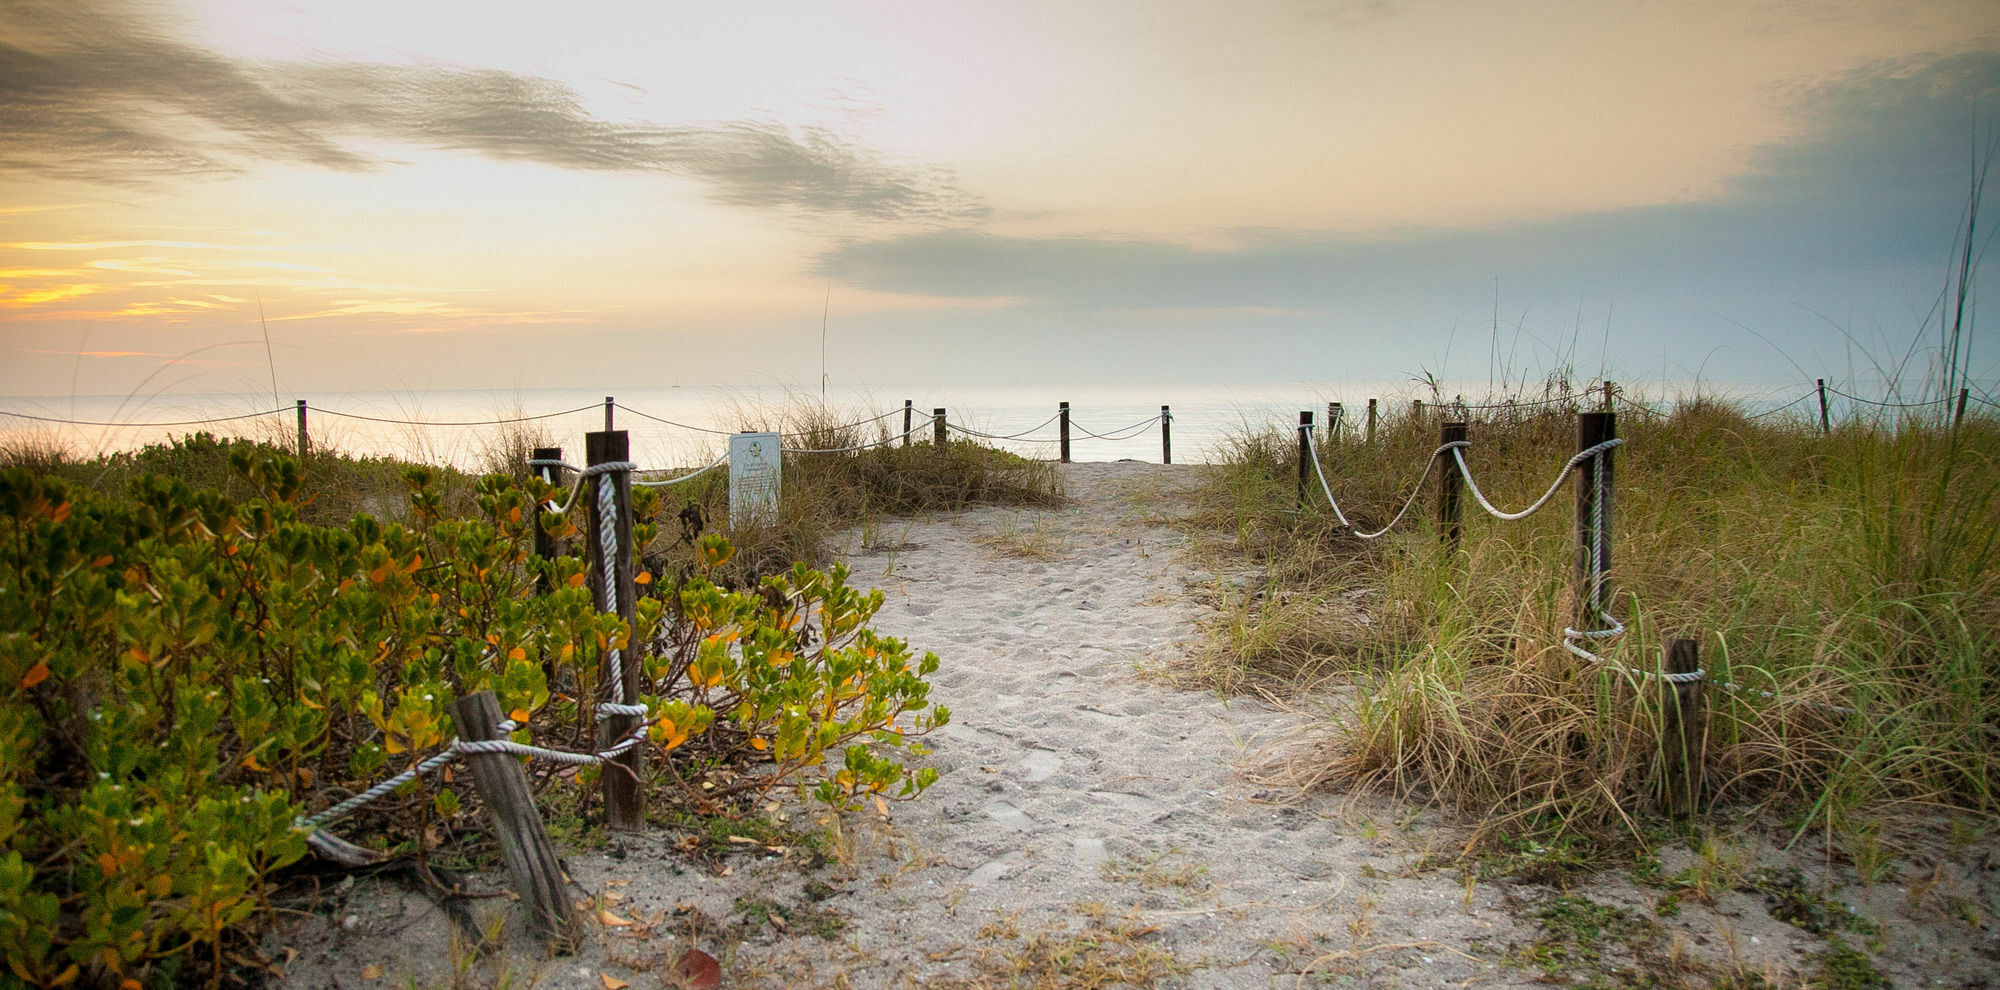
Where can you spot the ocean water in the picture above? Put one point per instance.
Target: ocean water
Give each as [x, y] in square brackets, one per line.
[688, 426]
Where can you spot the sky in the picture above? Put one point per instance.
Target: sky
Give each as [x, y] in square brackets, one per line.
[205, 195]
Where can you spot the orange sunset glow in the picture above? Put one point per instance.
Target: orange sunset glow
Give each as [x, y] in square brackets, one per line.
[461, 194]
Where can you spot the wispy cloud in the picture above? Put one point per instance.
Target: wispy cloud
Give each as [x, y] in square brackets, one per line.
[99, 354]
[90, 90]
[1878, 181]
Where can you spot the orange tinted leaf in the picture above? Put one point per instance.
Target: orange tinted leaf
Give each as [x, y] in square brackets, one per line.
[610, 920]
[517, 654]
[373, 971]
[104, 561]
[108, 863]
[68, 975]
[612, 982]
[35, 675]
[519, 715]
[576, 580]
[61, 513]
[757, 743]
[643, 577]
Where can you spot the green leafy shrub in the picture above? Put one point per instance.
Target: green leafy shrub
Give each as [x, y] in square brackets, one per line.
[183, 674]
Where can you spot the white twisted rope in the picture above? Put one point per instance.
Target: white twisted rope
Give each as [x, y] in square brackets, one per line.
[460, 747]
[607, 543]
[1457, 454]
[690, 476]
[1573, 639]
[1130, 432]
[1012, 436]
[1312, 451]
[884, 442]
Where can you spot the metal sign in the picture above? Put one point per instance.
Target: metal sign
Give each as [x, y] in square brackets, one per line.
[755, 473]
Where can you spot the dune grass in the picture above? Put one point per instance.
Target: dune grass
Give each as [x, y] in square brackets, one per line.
[1851, 570]
[823, 492]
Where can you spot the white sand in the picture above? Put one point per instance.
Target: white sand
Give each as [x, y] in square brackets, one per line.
[1078, 791]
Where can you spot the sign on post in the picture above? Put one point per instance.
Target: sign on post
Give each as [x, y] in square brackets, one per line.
[755, 472]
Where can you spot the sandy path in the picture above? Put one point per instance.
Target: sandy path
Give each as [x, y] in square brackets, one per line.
[1090, 817]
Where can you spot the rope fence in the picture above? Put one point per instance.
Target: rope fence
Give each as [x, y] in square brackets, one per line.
[1592, 463]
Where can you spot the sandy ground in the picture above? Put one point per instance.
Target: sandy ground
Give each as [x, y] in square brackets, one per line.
[1093, 819]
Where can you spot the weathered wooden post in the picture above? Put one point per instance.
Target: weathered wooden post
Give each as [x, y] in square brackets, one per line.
[609, 404]
[516, 824]
[1371, 422]
[545, 541]
[305, 441]
[1166, 435]
[1305, 452]
[907, 410]
[1959, 417]
[624, 801]
[1451, 486]
[1417, 414]
[1593, 534]
[937, 428]
[1682, 730]
[1825, 423]
[1062, 431]
[1333, 416]
[1610, 389]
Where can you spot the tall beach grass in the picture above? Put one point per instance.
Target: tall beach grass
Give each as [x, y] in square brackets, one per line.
[1846, 582]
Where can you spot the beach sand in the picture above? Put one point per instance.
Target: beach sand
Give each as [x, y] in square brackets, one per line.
[1092, 818]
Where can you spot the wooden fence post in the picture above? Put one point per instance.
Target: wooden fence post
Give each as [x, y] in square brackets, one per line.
[1417, 414]
[1825, 424]
[609, 404]
[624, 801]
[937, 428]
[1681, 730]
[1334, 412]
[510, 810]
[906, 422]
[545, 541]
[1166, 435]
[1371, 422]
[1062, 430]
[1305, 452]
[305, 441]
[1609, 390]
[1963, 392]
[1451, 486]
[1591, 430]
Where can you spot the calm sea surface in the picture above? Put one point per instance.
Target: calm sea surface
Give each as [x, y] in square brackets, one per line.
[686, 426]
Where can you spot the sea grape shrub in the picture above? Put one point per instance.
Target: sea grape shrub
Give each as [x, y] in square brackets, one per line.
[793, 671]
[182, 675]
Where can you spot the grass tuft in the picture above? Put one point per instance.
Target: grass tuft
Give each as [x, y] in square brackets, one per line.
[1856, 569]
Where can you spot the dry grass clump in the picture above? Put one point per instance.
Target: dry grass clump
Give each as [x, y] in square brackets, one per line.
[829, 486]
[1101, 953]
[1851, 570]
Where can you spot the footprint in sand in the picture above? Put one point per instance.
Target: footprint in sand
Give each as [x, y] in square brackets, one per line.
[1089, 851]
[1006, 814]
[1126, 800]
[1040, 764]
[995, 869]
